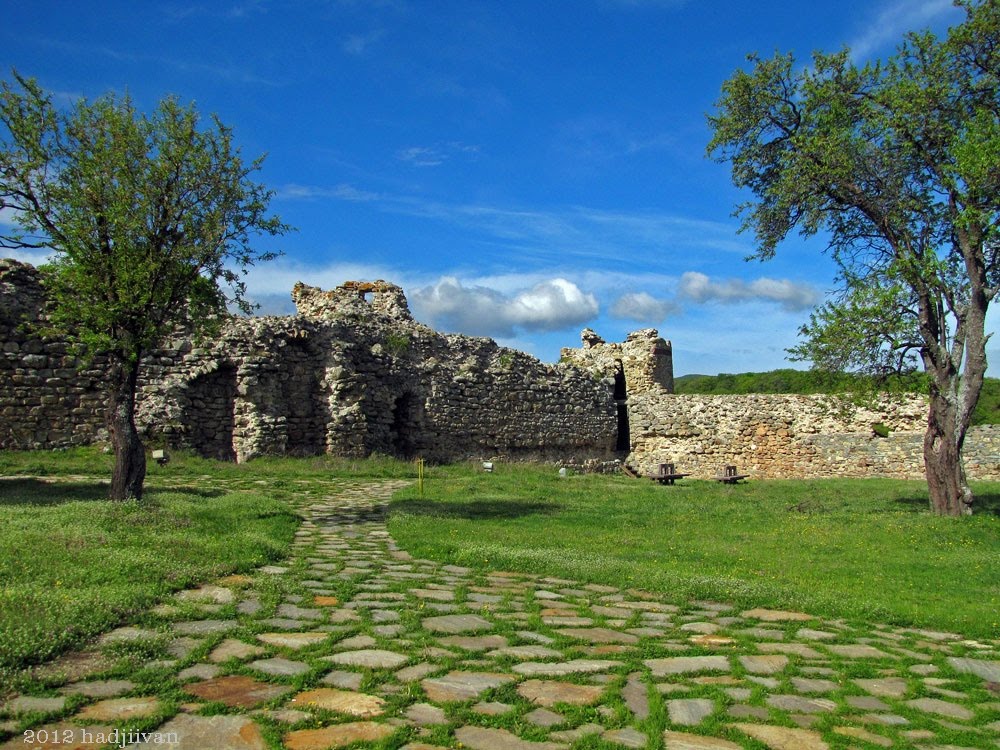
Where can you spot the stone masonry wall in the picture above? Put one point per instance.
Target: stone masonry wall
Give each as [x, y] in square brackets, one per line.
[644, 359]
[47, 397]
[778, 436]
[353, 374]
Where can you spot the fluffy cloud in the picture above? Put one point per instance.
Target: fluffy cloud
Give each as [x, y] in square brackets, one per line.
[643, 307]
[790, 295]
[477, 310]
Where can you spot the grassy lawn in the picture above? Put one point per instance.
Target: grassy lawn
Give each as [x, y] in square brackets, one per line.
[73, 564]
[858, 549]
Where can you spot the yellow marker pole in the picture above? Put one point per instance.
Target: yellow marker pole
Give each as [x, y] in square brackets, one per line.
[420, 476]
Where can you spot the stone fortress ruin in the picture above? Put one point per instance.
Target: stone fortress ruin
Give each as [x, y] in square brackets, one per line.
[352, 374]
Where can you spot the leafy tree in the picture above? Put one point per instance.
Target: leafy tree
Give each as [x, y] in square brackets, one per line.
[150, 219]
[898, 163]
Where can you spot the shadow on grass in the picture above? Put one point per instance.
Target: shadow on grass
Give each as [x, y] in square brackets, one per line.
[32, 491]
[485, 509]
[16, 491]
[985, 504]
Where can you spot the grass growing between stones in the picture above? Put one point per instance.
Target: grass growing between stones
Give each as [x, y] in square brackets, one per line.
[859, 549]
[73, 564]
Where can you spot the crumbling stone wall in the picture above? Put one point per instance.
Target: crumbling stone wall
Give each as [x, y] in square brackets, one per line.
[644, 360]
[780, 436]
[353, 374]
[48, 397]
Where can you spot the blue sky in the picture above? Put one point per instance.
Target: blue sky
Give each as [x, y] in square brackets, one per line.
[522, 169]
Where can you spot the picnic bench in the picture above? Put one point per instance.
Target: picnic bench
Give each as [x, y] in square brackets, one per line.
[666, 474]
[729, 475]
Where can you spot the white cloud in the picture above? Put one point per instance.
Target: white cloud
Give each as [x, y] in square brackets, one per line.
[358, 44]
[893, 21]
[791, 295]
[482, 311]
[34, 257]
[643, 307]
[549, 236]
[343, 191]
[435, 155]
[7, 216]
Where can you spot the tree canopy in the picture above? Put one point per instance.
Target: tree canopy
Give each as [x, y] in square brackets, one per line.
[897, 165]
[151, 220]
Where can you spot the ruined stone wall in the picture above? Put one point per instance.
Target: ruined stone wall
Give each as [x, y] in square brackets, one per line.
[351, 374]
[644, 359]
[780, 436]
[47, 397]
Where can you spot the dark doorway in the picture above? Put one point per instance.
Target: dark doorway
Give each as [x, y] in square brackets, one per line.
[302, 400]
[210, 413]
[624, 442]
[407, 413]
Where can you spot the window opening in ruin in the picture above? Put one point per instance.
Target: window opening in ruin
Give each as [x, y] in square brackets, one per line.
[406, 419]
[624, 442]
[211, 413]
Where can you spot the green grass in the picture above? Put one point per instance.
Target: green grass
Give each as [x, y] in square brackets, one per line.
[73, 564]
[858, 549]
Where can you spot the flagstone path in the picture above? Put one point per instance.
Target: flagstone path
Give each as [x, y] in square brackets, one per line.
[352, 642]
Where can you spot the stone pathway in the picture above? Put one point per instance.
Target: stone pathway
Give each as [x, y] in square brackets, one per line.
[353, 643]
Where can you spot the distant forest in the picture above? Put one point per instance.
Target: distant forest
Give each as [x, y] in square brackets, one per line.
[810, 381]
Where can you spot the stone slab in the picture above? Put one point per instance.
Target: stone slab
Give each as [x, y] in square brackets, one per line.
[483, 738]
[462, 686]
[885, 687]
[24, 704]
[338, 735]
[683, 741]
[456, 624]
[598, 635]
[371, 658]
[294, 641]
[280, 667]
[627, 737]
[560, 669]
[120, 709]
[988, 670]
[236, 691]
[550, 693]
[99, 688]
[784, 738]
[200, 732]
[359, 705]
[776, 615]
[204, 627]
[941, 708]
[689, 711]
[233, 649]
[475, 642]
[687, 664]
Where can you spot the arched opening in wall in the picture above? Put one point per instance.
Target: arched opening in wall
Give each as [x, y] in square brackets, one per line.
[210, 413]
[624, 442]
[407, 417]
[302, 400]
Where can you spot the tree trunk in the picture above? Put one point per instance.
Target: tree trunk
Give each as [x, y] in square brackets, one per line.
[130, 455]
[949, 491]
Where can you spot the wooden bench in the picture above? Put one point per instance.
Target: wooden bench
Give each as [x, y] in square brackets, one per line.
[729, 475]
[667, 474]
